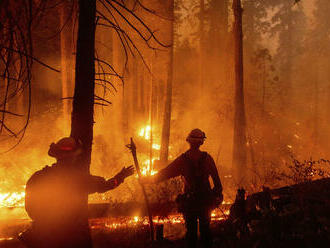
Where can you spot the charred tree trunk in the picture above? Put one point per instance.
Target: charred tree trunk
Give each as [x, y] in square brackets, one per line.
[168, 99]
[239, 149]
[83, 101]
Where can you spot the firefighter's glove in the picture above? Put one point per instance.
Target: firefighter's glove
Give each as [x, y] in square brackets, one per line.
[125, 172]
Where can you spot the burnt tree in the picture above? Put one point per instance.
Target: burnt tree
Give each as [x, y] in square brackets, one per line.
[83, 101]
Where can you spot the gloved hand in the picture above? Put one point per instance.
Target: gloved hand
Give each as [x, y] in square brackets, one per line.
[125, 172]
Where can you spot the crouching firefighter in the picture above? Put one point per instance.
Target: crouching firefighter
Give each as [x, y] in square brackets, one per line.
[55, 196]
[198, 200]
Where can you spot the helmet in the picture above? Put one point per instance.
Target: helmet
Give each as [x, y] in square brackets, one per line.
[65, 147]
[196, 136]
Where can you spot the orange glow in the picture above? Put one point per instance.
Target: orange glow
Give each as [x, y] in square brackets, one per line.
[6, 239]
[116, 223]
[12, 199]
[155, 146]
[145, 132]
[146, 168]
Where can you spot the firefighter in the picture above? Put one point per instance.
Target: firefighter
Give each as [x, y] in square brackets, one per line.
[197, 202]
[56, 195]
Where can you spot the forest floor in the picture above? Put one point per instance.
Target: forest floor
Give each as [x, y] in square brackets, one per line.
[292, 216]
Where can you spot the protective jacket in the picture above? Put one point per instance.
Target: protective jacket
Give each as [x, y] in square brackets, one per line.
[54, 198]
[195, 176]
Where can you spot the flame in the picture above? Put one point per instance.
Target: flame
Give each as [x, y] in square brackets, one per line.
[12, 199]
[145, 132]
[137, 221]
[218, 215]
[156, 146]
[136, 218]
[146, 169]
[6, 239]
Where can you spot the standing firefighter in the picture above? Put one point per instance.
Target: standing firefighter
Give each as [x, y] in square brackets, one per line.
[55, 194]
[198, 200]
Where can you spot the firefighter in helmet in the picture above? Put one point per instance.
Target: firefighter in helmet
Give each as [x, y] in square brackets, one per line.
[195, 167]
[55, 196]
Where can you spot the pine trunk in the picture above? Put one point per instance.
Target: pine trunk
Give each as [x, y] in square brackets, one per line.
[83, 102]
[239, 149]
[66, 21]
[168, 98]
[201, 49]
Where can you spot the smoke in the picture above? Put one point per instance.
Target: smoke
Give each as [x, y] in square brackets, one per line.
[286, 110]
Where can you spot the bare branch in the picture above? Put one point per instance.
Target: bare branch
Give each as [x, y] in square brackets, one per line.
[31, 57]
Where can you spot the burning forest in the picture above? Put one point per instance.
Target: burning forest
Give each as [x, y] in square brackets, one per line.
[153, 123]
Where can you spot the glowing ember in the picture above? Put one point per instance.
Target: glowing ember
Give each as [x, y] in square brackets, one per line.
[218, 214]
[136, 218]
[6, 239]
[136, 221]
[13, 199]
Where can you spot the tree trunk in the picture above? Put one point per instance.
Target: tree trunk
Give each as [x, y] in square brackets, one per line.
[168, 100]
[316, 109]
[151, 108]
[239, 149]
[83, 103]
[201, 48]
[67, 62]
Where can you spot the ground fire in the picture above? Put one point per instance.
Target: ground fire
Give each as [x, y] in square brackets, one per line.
[177, 123]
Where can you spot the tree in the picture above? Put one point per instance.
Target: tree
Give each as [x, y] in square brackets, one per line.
[114, 15]
[84, 95]
[67, 14]
[317, 49]
[239, 149]
[168, 97]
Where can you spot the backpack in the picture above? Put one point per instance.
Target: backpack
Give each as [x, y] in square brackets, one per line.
[192, 200]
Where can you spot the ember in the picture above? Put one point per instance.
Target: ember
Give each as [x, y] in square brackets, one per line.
[124, 222]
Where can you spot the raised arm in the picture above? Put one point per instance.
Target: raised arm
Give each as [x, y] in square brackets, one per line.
[174, 169]
[101, 185]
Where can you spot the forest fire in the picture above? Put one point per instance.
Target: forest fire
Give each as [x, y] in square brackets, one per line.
[135, 221]
[145, 132]
[12, 199]
[146, 169]
[220, 100]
